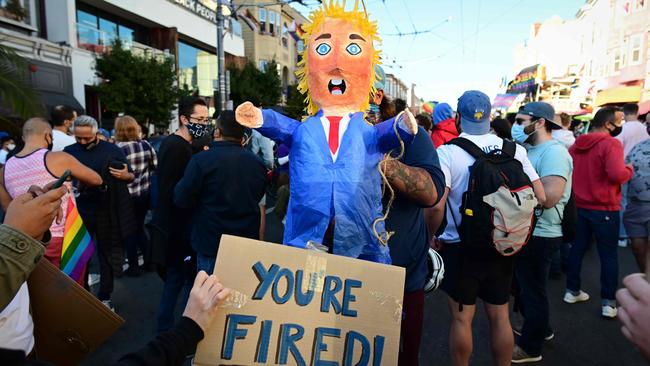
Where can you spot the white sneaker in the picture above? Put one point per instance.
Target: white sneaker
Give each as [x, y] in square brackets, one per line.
[622, 243]
[609, 311]
[108, 304]
[570, 298]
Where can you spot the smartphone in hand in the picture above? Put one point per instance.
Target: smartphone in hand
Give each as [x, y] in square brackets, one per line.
[62, 179]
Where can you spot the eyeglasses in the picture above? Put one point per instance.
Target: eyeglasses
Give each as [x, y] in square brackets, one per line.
[205, 120]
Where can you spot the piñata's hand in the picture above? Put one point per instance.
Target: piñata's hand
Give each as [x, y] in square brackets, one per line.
[248, 115]
[407, 122]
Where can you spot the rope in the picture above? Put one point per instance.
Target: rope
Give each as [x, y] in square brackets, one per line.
[385, 236]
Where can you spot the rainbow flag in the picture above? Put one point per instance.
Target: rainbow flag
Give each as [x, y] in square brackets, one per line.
[77, 244]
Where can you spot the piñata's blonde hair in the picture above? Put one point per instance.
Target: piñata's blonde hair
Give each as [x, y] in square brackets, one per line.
[336, 9]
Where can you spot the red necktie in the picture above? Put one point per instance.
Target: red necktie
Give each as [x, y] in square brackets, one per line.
[334, 133]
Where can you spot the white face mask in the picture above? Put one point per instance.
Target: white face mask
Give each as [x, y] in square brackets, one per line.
[11, 147]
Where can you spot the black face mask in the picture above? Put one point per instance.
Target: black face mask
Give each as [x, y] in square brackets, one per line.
[90, 145]
[50, 144]
[616, 131]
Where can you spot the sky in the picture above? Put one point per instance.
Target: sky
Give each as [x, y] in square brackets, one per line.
[470, 46]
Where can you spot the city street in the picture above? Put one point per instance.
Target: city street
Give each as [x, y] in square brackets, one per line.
[582, 337]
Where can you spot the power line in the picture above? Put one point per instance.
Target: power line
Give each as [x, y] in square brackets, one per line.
[418, 32]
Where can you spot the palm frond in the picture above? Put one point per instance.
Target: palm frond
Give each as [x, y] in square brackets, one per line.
[16, 93]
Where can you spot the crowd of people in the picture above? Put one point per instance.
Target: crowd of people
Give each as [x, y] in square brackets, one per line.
[163, 206]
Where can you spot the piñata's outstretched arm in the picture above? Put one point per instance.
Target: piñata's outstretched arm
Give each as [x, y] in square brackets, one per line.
[277, 127]
[267, 122]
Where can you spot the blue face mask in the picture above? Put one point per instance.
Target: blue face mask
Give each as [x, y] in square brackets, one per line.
[374, 109]
[518, 133]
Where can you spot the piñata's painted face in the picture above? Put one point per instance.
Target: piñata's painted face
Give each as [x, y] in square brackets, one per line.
[340, 63]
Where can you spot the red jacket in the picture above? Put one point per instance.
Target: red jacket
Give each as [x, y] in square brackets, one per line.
[598, 172]
[444, 132]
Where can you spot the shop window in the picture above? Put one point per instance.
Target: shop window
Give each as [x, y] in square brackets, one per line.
[197, 69]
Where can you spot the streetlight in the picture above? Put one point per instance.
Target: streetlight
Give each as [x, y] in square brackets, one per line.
[223, 11]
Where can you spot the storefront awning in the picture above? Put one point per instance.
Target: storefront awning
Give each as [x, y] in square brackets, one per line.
[623, 94]
[51, 100]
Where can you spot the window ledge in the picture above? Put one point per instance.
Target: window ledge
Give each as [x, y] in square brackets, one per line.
[17, 24]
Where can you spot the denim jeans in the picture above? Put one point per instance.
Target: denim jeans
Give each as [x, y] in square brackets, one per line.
[531, 271]
[178, 281]
[205, 263]
[604, 225]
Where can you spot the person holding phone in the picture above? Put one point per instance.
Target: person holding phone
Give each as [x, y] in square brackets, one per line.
[36, 165]
[106, 212]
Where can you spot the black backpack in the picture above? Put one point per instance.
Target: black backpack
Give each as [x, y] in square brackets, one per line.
[498, 208]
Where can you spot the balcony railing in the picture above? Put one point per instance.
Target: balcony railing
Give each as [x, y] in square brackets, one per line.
[97, 41]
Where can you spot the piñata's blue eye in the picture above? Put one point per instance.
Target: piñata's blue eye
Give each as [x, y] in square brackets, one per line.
[323, 49]
[353, 49]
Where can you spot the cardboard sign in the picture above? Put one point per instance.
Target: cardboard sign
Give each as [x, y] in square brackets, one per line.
[293, 306]
[69, 322]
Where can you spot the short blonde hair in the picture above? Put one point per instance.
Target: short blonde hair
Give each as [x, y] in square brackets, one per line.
[126, 129]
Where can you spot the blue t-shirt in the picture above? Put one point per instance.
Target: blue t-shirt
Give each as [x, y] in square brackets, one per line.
[410, 243]
[552, 158]
[96, 159]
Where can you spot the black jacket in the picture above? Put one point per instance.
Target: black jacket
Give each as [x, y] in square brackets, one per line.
[223, 186]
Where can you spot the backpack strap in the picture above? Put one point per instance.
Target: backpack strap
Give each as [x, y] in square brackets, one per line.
[468, 146]
[509, 147]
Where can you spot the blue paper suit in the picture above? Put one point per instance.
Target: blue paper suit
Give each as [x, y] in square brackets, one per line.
[347, 189]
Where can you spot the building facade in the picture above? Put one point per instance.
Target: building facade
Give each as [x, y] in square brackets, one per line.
[395, 88]
[271, 31]
[70, 34]
[601, 57]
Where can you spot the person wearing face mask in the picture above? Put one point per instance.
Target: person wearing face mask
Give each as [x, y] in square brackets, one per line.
[223, 187]
[8, 145]
[534, 125]
[106, 211]
[171, 225]
[62, 118]
[36, 165]
[598, 175]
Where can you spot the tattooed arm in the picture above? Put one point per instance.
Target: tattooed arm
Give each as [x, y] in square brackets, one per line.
[414, 183]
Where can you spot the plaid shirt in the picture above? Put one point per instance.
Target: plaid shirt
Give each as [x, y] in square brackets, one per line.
[142, 158]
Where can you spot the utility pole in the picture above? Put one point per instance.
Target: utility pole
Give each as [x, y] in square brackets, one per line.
[220, 94]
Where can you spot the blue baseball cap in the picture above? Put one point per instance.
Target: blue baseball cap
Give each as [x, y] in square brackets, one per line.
[474, 108]
[541, 110]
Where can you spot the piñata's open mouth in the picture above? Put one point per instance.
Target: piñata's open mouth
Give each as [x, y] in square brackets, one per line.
[336, 86]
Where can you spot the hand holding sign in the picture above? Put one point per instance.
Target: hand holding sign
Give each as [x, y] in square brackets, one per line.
[207, 293]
